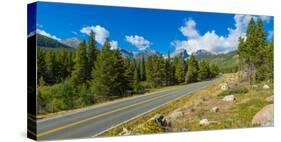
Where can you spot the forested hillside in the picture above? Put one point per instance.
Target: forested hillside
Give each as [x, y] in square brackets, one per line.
[226, 62]
[74, 78]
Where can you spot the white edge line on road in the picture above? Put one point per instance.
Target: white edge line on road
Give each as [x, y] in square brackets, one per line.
[151, 110]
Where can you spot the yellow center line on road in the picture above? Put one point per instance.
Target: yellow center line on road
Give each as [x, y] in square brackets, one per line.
[98, 116]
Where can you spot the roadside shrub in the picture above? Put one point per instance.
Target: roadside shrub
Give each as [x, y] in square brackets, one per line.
[224, 93]
[139, 88]
[56, 97]
[239, 90]
[146, 84]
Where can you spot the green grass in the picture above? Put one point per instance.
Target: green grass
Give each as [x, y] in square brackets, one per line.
[235, 91]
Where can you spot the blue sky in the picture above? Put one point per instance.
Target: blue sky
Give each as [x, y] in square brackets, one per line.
[137, 29]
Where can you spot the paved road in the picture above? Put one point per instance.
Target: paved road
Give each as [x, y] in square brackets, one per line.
[92, 121]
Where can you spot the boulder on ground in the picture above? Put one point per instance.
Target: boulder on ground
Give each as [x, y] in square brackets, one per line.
[176, 114]
[160, 120]
[269, 99]
[215, 109]
[265, 86]
[204, 122]
[229, 98]
[224, 86]
[264, 116]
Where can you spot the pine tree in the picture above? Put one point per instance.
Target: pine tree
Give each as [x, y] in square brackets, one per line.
[269, 61]
[253, 52]
[102, 81]
[50, 65]
[214, 70]
[129, 72]
[251, 49]
[192, 72]
[121, 84]
[204, 70]
[109, 75]
[142, 69]
[149, 70]
[155, 70]
[179, 72]
[261, 52]
[160, 71]
[136, 80]
[41, 64]
[79, 74]
[92, 54]
[168, 71]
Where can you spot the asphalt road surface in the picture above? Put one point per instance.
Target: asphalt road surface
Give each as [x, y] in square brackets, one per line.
[92, 121]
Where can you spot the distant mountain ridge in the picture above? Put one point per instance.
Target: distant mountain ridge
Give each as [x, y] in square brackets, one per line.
[45, 41]
[202, 54]
[146, 53]
[226, 62]
[178, 53]
[71, 42]
[126, 53]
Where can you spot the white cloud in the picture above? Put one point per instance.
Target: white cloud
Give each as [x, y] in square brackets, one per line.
[113, 44]
[42, 32]
[189, 29]
[140, 42]
[100, 33]
[210, 40]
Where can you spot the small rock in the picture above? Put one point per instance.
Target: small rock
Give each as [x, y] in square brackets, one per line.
[224, 86]
[229, 98]
[269, 99]
[204, 122]
[265, 115]
[176, 114]
[125, 132]
[254, 86]
[265, 86]
[215, 109]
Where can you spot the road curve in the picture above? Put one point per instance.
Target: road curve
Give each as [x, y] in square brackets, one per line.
[92, 121]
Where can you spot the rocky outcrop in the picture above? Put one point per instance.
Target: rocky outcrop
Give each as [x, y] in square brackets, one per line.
[160, 120]
[264, 117]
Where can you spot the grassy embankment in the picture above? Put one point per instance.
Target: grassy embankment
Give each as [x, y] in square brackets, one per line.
[197, 106]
